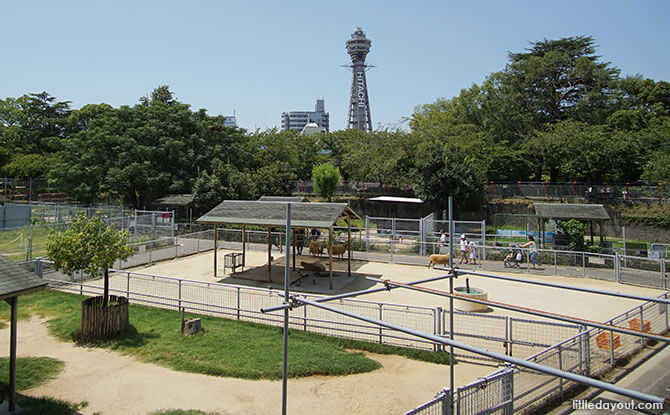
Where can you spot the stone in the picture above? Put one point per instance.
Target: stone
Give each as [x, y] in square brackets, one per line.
[192, 326]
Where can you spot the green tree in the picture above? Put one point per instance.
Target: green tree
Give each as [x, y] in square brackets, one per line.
[574, 229]
[32, 129]
[325, 178]
[447, 170]
[89, 245]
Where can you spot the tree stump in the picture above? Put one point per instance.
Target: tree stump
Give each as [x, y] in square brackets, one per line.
[192, 327]
[101, 323]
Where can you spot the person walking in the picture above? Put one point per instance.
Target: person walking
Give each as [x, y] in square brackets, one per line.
[532, 248]
[473, 253]
[464, 249]
[444, 243]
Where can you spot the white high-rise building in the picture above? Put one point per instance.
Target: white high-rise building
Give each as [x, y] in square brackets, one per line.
[297, 120]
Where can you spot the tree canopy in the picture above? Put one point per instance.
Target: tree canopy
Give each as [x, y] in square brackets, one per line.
[555, 111]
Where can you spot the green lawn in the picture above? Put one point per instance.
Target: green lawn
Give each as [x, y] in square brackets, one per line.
[227, 347]
[32, 372]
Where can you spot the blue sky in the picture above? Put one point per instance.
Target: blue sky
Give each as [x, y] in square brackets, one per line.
[258, 58]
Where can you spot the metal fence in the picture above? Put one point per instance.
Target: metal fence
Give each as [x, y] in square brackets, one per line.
[616, 268]
[600, 192]
[492, 394]
[511, 335]
[592, 352]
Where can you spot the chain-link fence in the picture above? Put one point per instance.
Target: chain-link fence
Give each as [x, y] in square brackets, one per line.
[492, 394]
[511, 335]
[602, 192]
[590, 352]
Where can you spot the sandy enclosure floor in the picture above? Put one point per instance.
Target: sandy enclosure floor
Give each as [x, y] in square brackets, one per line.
[116, 384]
[577, 304]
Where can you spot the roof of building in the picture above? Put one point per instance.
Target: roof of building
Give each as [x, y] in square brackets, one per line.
[396, 199]
[263, 213]
[291, 199]
[571, 211]
[15, 280]
[175, 200]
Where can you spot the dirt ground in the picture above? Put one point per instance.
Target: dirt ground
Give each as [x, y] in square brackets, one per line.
[115, 384]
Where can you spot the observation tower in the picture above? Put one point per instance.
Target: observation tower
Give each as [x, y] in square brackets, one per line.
[359, 104]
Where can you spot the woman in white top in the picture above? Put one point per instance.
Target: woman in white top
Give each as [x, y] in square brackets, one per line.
[464, 249]
[533, 250]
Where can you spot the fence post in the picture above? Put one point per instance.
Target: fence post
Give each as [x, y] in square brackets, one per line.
[587, 352]
[643, 341]
[663, 276]
[367, 233]
[484, 240]
[175, 240]
[304, 318]
[81, 282]
[611, 346]
[584, 262]
[380, 327]
[511, 336]
[179, 296]
[437, 329]
[555, 264]
[617, 269]
[560, 367]
[238, 303]
[128, 286]
[446, 404]
[507, 339]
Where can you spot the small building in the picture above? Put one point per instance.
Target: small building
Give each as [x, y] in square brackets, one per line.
[566, 211]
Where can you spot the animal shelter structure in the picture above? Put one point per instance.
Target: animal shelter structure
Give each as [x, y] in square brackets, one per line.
[271, 213]
[15, 281]
[565, 211]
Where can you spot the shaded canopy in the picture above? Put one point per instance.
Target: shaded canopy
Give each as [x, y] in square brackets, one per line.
[262, 213]
[15, 280]
[571, 211]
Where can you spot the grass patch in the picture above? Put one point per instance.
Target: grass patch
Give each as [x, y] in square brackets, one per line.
[47, 405]
[30, 372]
[227, 347]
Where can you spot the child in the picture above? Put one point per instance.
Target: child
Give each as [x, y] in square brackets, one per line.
[473, 253]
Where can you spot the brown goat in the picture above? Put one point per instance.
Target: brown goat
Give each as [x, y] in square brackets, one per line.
[339, 250]
[313, 266]
[437, 259]
[315, 248]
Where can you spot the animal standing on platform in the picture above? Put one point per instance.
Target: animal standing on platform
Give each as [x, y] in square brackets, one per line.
[315, 248]
[339, 250]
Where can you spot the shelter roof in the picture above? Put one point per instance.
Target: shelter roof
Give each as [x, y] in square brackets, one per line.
[291, 199]
[395, 199]
[571, 211]
[175, 200]
[262, 213]
[15, 280]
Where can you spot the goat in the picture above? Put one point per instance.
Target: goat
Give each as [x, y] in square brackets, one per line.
[339, 250]
[437, 259]
[315, 248]
[313, 266]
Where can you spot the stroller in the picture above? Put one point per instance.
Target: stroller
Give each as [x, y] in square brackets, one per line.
[514, 257]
